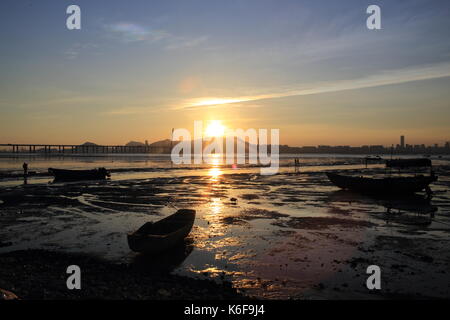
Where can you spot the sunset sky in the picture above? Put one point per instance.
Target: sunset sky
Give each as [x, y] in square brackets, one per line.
[312, 69]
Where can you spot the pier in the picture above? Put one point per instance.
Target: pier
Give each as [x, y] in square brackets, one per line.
[79, 149]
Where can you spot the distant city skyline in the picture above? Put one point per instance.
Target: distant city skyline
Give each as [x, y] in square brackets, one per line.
[402, 146]
[146, 141]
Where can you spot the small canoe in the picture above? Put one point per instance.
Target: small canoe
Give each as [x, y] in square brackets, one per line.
[153, 238]
[7, 295]
[75, 175]
[389, 185]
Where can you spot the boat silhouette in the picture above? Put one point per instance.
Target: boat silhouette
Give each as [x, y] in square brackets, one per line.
[390, 184]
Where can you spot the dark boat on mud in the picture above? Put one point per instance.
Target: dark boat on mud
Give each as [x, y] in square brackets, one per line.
[388, 185]
[76, 175]
[153, 238]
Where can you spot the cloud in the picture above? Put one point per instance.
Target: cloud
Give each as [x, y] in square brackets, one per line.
[131, 32]
[76, 49]
[390, 77]
[180, 42]
[230, 104]
[131, 111]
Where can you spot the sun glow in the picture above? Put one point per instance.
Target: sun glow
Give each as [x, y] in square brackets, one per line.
[214, 101]
[215, 129]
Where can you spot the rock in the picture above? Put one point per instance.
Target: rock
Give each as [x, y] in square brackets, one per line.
[5, 244]
[164, 293]
[427, 259]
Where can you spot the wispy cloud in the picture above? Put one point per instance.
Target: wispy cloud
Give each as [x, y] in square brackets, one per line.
[181, 42]
[131, 111]
[76, 49]
[208, 105]
[132, 32]
[381, 79]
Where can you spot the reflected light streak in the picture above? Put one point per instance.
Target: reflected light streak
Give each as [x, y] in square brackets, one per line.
[215, 171]
[216, 206]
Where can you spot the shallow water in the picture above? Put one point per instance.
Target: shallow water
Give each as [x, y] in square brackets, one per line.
[287, 235]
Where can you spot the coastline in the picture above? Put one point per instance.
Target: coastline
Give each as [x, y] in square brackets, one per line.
[287, 236]
[41, 275]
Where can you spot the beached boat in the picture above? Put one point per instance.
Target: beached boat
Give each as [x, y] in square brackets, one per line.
[74, 175]
[402, 185]
[390, 184]
[162, 235]
[7, 295]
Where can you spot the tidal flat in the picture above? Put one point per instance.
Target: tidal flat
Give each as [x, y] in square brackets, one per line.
[285, 236]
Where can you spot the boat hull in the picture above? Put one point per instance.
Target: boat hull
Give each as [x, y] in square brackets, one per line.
[155, 240]
[390, 185]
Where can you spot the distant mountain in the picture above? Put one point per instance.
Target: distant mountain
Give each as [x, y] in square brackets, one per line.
[135, 144]
[162, 143]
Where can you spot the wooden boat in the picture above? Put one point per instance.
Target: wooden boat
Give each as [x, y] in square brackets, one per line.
[373, 158]
[74, 175]
[153, 238]
[387, 185]
[376, 159]
[7, 295]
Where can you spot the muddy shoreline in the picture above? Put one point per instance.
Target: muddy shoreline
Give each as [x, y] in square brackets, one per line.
[41, 275]
[287, 236]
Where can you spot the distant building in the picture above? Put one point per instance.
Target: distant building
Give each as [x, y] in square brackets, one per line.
[402, 142]
[376, 149]
[309, 149]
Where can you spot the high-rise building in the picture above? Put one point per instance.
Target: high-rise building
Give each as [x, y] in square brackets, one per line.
[402, 141]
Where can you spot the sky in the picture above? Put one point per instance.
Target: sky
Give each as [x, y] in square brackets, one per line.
[139, 68]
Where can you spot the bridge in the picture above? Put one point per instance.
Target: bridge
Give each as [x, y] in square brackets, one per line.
[80, 149]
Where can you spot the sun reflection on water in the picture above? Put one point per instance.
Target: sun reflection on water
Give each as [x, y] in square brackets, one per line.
[216, 206]
[215, 172]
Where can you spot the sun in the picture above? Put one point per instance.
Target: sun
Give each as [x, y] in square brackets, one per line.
[215, 128]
